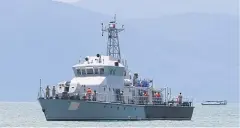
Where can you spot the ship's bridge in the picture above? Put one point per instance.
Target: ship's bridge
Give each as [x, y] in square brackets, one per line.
[95, 71]
[99, 66]
[99, 60]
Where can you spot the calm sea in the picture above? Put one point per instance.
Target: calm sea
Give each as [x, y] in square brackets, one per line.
[30, 114]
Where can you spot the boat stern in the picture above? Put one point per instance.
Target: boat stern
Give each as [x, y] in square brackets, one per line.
[169, 113]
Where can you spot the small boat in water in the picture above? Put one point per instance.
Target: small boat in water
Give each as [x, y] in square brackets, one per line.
[224, 102]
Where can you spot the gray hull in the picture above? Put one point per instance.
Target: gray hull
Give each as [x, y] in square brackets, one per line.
[77, 110]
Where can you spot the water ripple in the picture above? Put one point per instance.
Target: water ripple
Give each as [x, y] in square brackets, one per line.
[30, 114]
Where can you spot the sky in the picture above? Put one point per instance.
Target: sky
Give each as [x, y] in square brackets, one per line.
[192, 46]
[155, 8]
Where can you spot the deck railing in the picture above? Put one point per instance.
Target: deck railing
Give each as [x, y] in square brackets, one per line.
[124, 99]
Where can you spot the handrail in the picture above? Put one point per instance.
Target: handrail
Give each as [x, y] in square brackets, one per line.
[118, 98]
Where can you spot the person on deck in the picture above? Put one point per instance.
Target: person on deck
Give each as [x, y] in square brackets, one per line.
[145, 97]
[89, 93]
[94, 95]
[180, 98]
[47, 92]
[53, 91]
[158, 97]
[121, 96]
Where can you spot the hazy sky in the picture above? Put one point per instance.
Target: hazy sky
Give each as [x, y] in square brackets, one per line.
[156, 8]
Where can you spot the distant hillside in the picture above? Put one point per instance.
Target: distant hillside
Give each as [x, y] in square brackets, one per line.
[43, 39]
[192, 53]
[155, 8]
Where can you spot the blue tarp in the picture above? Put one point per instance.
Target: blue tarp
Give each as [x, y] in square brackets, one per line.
[143, 83]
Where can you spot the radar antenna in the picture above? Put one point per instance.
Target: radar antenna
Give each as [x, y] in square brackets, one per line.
[113, 48]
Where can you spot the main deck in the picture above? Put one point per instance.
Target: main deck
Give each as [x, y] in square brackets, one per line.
[78, 108]
[81, 110]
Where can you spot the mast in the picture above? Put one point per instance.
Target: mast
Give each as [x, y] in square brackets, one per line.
[40, 89]
[113, 48]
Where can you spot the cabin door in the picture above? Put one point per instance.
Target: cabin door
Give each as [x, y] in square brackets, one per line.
[117, 93]
[66, 89]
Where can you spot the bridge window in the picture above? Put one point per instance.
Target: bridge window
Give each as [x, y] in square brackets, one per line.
[96, 71]
[83, 72]
[112, 71]
[78, 72]
[90, 71]
[101, 70]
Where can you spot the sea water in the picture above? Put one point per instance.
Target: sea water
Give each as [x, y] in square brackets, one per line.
[29, 114]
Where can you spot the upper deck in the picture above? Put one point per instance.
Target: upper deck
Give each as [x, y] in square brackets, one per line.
[99, 66]
[99, 60]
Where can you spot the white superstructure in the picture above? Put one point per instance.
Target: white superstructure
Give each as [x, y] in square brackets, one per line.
[108, 76]
[103, 74]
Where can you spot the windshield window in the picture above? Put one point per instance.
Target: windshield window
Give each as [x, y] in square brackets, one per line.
[90, 71]
[83, 72]
[96, 71]
[78, 72]
[101, 70]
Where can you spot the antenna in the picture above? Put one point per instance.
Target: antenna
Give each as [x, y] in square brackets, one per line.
[80, 59]
[113, 48]
[40, 89]
[102, 29]
[115, 18]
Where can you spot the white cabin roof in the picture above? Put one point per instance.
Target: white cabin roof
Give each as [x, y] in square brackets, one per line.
[63, 82]
[94, 61]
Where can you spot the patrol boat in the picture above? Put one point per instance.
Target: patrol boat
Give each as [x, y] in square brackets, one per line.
[224, 102]
[103, 88]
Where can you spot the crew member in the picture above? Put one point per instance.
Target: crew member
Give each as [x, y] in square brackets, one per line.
[145, 97]
[47, 92]
[94, 95]
[180, 98]
[89, 93]
[158, 97]
[145, 93]
[121, 96]
[53, 92]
